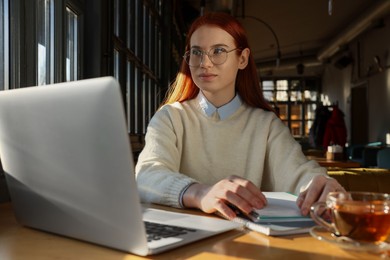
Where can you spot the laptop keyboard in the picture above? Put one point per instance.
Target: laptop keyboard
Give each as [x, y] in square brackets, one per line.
[156, 231]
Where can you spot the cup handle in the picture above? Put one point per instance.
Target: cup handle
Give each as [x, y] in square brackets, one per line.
[316, 212]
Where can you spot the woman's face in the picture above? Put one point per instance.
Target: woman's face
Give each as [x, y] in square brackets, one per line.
[217, 82]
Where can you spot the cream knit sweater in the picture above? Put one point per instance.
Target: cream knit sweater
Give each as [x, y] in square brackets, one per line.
[183, 145]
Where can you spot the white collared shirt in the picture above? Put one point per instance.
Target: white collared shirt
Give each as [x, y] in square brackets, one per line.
[224, 111]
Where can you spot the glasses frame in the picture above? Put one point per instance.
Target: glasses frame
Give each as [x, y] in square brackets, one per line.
[187, 54]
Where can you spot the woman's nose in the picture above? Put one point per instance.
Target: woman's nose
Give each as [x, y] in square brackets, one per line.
[206, 61]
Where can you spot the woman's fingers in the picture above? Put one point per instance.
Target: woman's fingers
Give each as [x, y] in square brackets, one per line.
[250, 192]
[317, 190]
[234, 191]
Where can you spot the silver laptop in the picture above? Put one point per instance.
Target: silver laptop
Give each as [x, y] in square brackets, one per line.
[67, 159]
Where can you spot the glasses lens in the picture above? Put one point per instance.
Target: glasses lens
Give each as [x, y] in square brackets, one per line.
[193, 57]
[187, 57]
[218, 55]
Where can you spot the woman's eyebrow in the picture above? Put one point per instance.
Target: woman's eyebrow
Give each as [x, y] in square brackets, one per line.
[212, 46]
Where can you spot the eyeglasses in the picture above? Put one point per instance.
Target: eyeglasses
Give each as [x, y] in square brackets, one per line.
[217, 56]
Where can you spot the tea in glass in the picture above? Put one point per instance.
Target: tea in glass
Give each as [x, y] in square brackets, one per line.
[360, 216]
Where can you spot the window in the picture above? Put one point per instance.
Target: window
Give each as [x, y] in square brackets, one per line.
[295, 100]
[45, 44]
[72, 45]
[137, 58]
[4, 45]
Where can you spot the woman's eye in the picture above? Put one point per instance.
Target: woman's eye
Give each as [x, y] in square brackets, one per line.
[196, 52]
[218, 51]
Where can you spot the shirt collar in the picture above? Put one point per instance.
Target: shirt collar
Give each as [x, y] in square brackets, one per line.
[224, 111]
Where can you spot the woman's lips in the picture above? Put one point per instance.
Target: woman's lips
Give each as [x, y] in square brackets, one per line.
[207, 76]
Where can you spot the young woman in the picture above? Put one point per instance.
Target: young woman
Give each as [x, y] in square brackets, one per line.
[216, 141]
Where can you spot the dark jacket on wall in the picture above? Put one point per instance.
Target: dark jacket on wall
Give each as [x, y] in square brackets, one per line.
[335, 131]
[317, 130]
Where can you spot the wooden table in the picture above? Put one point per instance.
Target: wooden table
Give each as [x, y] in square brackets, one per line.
[334, 163]
[18, 242]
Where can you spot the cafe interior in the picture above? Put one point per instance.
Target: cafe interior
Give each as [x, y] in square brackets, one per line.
[314, 59]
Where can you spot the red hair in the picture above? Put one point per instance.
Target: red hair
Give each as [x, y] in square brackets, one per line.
[247, 81]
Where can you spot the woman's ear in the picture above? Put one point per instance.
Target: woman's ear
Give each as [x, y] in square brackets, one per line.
[244, 57]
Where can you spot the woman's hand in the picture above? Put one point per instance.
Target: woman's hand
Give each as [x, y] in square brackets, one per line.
[317, 190]
[232, 190]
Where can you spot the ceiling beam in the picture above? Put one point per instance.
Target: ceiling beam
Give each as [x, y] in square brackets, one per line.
[356, 28]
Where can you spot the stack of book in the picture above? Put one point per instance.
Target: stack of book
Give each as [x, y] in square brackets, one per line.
[280, 217]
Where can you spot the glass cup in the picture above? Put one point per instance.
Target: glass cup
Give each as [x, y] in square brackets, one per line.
[360, 216]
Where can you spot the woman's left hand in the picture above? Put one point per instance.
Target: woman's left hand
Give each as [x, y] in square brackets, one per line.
[317, 190]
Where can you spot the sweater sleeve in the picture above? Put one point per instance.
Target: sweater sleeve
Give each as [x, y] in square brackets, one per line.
[157, 169]
[286, 167]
